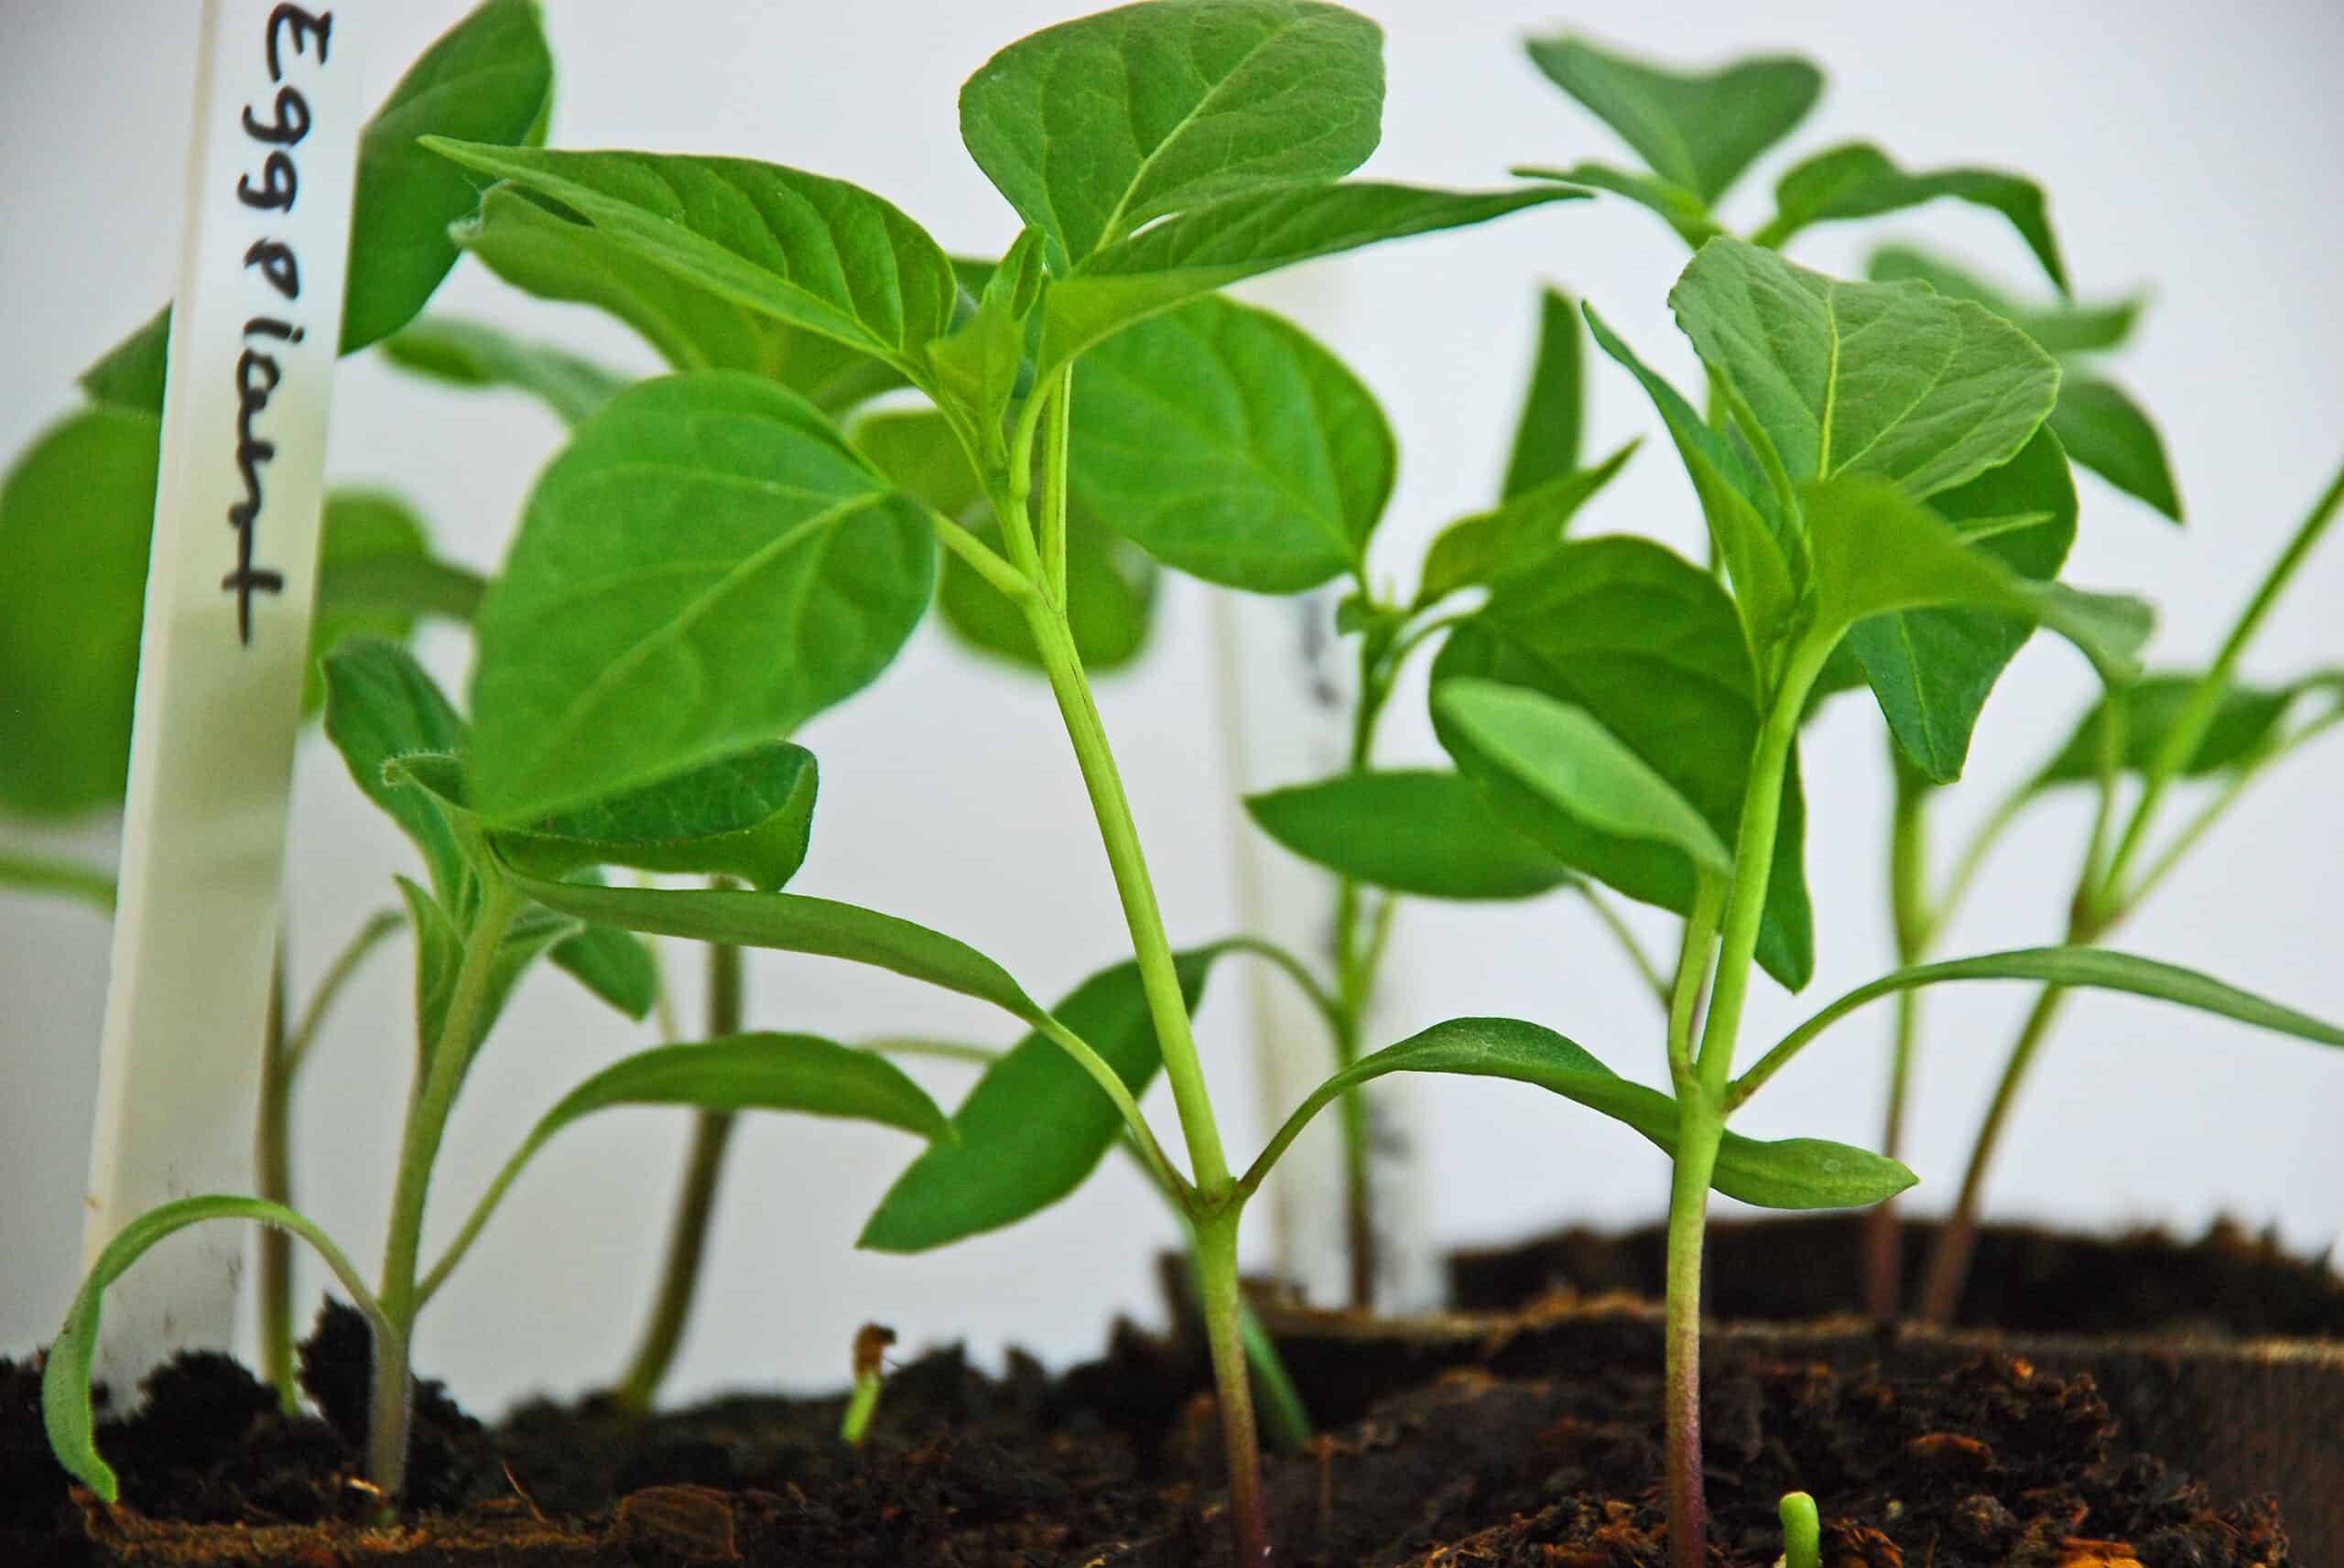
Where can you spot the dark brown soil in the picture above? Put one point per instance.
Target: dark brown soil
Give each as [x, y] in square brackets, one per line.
[1546, 1455]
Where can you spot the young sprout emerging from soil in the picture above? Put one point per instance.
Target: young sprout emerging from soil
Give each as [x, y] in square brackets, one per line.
[1802, 1531]
[871, 1343]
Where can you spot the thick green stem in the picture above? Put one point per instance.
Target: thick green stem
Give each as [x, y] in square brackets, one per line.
[273, 1180]
[1909, 915]
[1217, 1283]
[671, 1308]
[1688, 1199]
[426, 1122]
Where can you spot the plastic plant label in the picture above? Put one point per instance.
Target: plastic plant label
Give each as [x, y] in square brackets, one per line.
[256, 319]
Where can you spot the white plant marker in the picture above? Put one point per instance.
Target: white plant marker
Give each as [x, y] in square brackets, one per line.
[255, 323]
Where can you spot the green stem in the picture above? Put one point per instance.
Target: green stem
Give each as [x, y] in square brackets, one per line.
[1217, 1283]
[426, 1122]
[38, 874]
[273, 1179]
[1975, 854]
[1909, 915]
[1701, 1129]
[1056, 423]
[379, 927]
[1646, 970]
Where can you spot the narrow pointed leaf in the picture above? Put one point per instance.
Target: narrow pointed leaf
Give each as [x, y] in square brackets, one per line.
[1246, 236]
[707, 565]
[1517, 536]
[65, 1405]
[1791, 1174]
[1547, 432]
[382, 706]
[1035, 1125]
[2246, 722]
[748, 816]
[1428, 833]
[473, 353]
[805, 250]
[614, 964]
[977, 365]
[1094, 126]
[2058, 328]
[1678, 206]
[1886, 379]
[130, 374]
[2106, 431]
[1225, 441]
[1858, 180]
[1695, 130]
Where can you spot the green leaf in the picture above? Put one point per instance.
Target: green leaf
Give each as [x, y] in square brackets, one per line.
[382, 708]
[473, 353]
[1886, 379]
[613, 964]
[364, 534]
[1244, 236]
[1225, 442]
[707, 565]
[1791, 1174]
[1475, 551]
[1423, 832]
[130, 374]
[1547, 432]
[1877, 550]
[1678, 206]
[1094, 126]
[1858, 180]
[976, 365]
[1746, 538]
[1695, 131]
[2245, 721]
[2059, 329]
[1932, 669]
[65, 1407]
[1564, 757]
[790, 923]
[1035, 1125]
[2106, 431]
[76, 515]
[396, 585]
[808, 251]
[554, 256]
[749, 817]
[438, 954]
[1649, 644]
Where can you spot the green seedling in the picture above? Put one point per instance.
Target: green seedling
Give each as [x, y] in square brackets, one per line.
[871, 1343]
[1802, 1531]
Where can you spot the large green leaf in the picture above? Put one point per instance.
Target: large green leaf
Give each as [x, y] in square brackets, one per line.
[1035, 1125]
[1932, 669]
[554, 256]
[65, 1407]
[1697, 132]
[614, 964]
[473, 353]
[381, 707]
[1649, 644]
[2064, 328]
[1094, 126]
[2245, 722]
[1244, 236]
[76, 515]
[364, 535]
[2107, 432]
[1110, 583]
[748, 816]
[1547, 431]
[805, 250]
[1887, 379]
[1564, 757]
[1858, 180]
[1791, 1174]
[1422, 832]
[1224, 441]
[488, 79]
[708, 565]
[1518, 535]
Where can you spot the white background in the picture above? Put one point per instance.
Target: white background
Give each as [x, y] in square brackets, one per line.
[2188, 147]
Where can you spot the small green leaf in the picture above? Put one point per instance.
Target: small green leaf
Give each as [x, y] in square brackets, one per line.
[1932, 669]
[1858, 180]
[792, 924]
[976, 365]
[130, 374]
[554, 256]
[2245, 721]
[438, 954]
[1546, 433]
[76, 515]
[65, 1407]
[364, 535]
[1240, 237]
[1428, 833]
[613, 964]
[1225, 442]
[381, 707]
[1650, 645]
[707, 565]
[2106, 431]
[1094, 126]
[1035, 1125]
[1564, 757]
[808, 251]
[1678, 206]
[473, 353]
[748, 816]
[1475, 551]
[1791, 1174]
[2058, 328]
[1695, 131]
[1886, 379]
